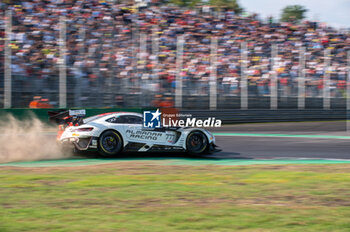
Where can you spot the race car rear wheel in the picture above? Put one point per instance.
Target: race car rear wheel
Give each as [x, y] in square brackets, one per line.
[110, 144]
[196, 142]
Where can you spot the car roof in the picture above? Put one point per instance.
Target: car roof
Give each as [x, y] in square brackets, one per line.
[121, 113]
[108, 115]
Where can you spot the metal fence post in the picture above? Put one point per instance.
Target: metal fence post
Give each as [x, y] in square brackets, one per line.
[155, 53]
[273, 84]
[62, 65]
[7, 62]
[143, 50]
[141, 64]
[134, 81]
[244, 82]
[213, 74]
[78, 86]
[326, 94]
[301, 79]
[179, 62]
[348, 94]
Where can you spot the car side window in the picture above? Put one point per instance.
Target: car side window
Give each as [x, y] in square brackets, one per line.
[120, 119]
[135, 119]
[111, 120]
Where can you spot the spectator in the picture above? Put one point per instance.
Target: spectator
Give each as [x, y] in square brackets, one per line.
[104, 48]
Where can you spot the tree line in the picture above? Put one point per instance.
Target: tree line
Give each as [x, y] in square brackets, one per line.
[291, 13]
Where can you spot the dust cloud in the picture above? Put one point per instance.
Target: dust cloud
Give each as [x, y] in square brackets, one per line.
[27, 140]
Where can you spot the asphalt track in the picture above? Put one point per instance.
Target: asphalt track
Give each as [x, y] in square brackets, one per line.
[303, 140]
[260, 143]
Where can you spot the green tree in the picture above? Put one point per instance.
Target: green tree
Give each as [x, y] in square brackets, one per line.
[185, 3]
[293, 13]
[218, 4]
[227, 4]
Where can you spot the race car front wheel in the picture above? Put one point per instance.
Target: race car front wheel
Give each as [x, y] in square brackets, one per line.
[110, 144]
[196, 142]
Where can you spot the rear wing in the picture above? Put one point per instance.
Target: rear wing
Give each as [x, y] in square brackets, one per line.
[69, 117]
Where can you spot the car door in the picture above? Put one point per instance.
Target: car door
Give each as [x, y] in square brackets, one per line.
[131, 127]
[135, 132]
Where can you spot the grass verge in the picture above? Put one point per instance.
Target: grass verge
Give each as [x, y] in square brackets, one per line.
[146, 197]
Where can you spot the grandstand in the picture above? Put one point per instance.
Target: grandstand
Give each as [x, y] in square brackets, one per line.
[114, 54]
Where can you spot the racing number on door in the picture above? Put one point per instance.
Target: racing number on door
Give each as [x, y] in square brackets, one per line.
[170, 138]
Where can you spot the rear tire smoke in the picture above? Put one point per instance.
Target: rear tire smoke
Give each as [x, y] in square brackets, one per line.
[26, 140]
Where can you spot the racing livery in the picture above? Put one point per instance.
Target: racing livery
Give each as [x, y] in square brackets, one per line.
[113, 133]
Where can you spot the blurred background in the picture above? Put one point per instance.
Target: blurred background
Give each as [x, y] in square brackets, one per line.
[189, 54]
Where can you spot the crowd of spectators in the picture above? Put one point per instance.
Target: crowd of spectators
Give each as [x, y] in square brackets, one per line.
[116, 47]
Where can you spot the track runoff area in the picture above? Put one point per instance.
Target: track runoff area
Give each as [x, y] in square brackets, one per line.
[269, 177]
[245, 144]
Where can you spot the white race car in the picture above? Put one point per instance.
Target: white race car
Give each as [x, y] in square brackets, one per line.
[113, 133]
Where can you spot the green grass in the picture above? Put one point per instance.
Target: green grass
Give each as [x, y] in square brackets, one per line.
[143, 197]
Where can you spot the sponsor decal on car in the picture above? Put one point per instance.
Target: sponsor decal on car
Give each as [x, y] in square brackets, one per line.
[144, 135]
